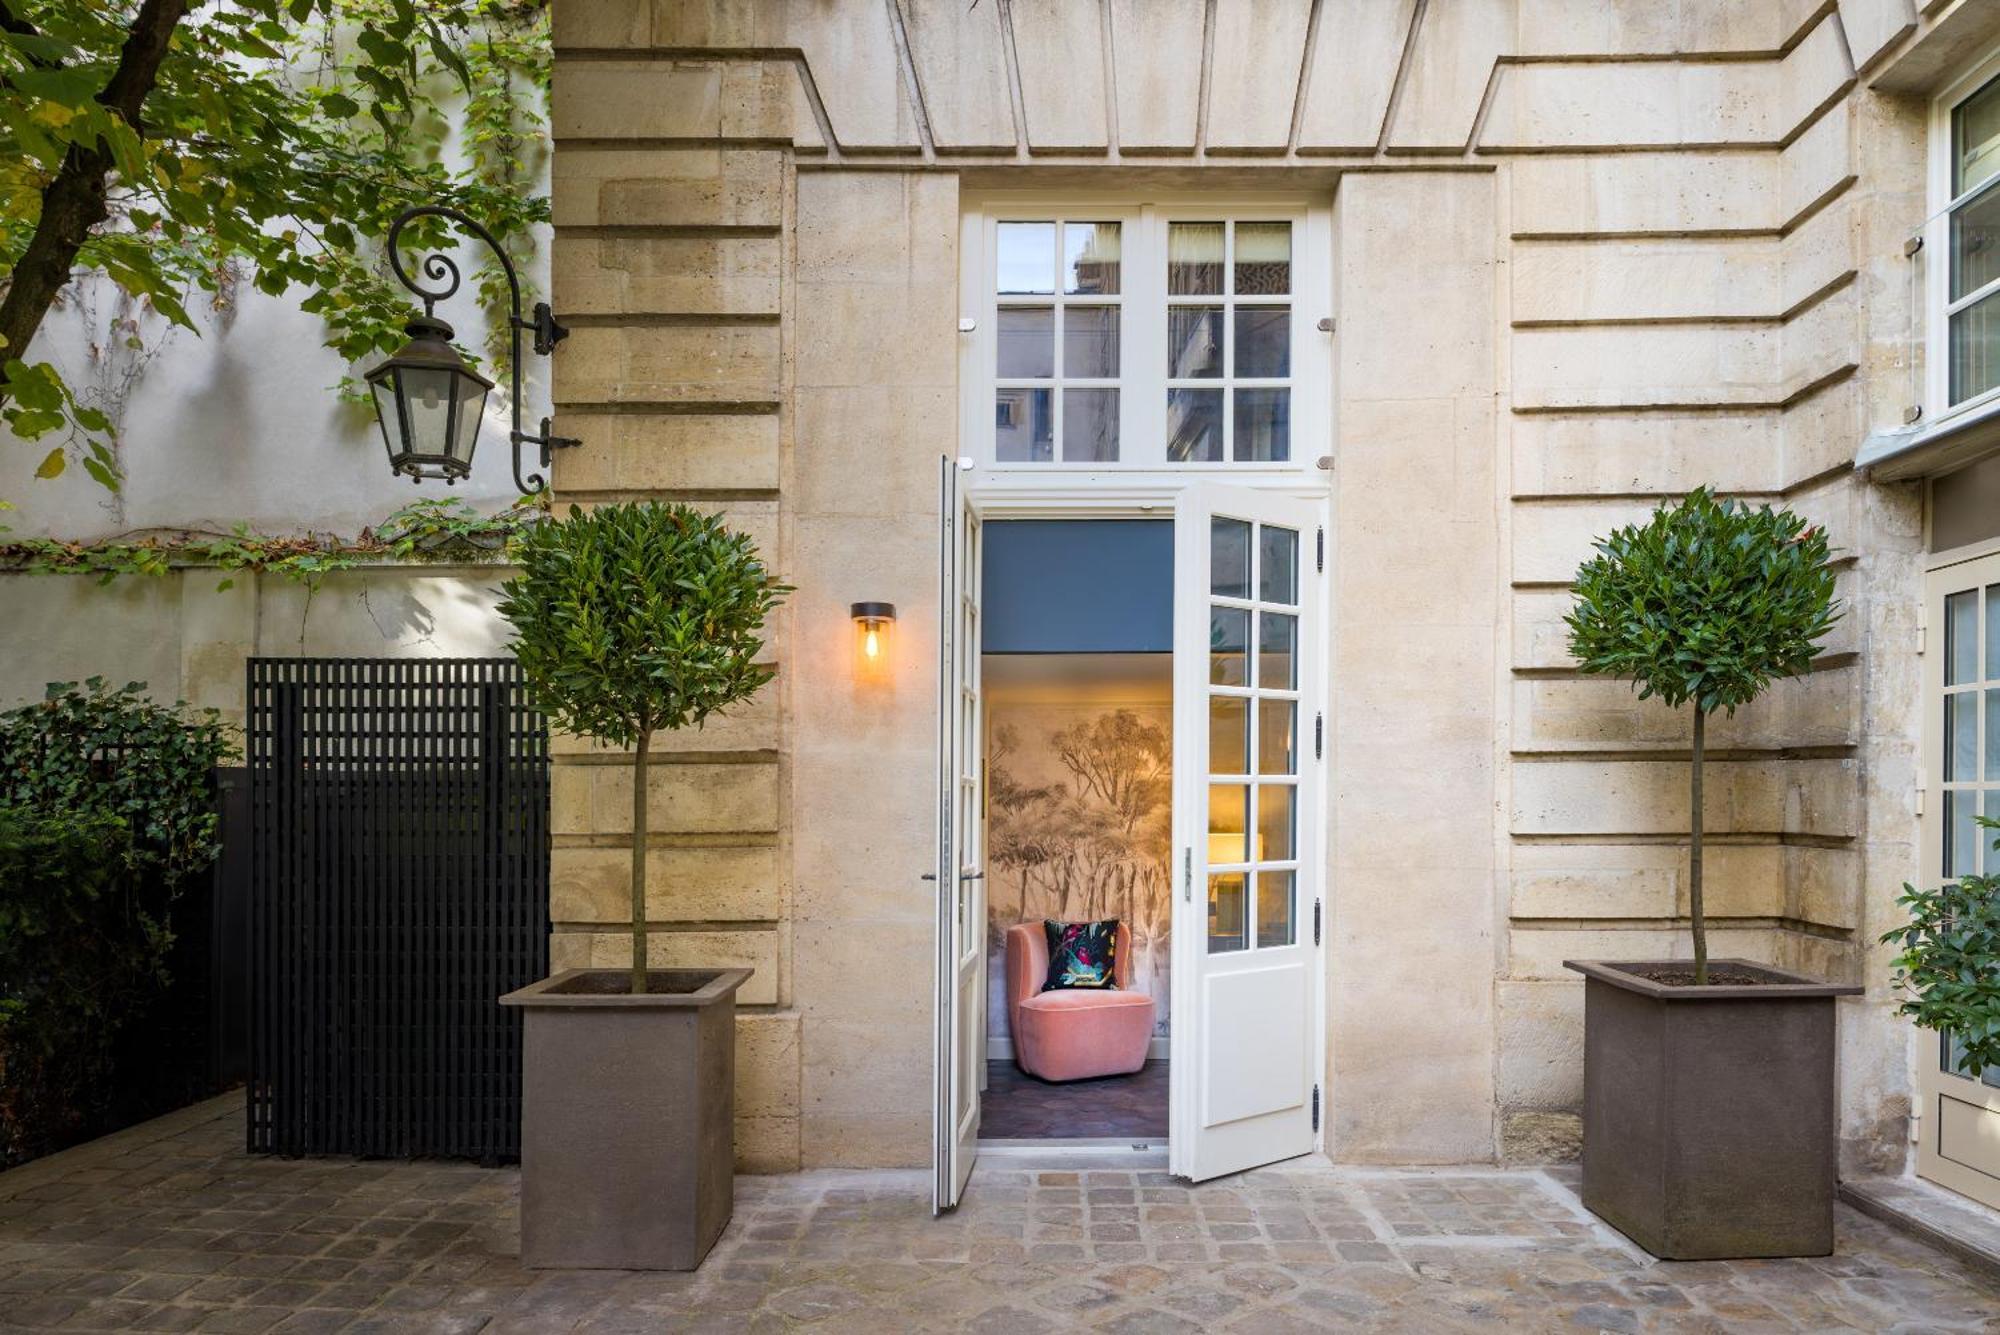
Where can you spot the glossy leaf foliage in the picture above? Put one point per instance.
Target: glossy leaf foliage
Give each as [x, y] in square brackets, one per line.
[634, 618]
[1706, 603]
[1949, 966]
[278, 140]
[117, 753]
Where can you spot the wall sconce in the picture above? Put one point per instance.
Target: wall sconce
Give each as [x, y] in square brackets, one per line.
[872, 623]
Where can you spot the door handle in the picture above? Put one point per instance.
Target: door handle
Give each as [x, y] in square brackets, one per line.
[971, 875]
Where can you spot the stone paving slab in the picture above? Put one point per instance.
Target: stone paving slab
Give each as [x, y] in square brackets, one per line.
[174, 1227]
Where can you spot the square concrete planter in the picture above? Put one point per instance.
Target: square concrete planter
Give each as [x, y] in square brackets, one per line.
[627, 1118]
[1708, 1112]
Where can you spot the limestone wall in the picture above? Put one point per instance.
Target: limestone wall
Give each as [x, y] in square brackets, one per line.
[1587, 255]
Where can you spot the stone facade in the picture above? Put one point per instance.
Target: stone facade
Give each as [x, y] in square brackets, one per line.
[1587, 255]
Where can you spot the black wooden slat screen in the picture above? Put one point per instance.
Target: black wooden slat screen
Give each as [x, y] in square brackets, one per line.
[401, 818]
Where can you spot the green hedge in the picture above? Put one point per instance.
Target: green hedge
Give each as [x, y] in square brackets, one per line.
[107, 818]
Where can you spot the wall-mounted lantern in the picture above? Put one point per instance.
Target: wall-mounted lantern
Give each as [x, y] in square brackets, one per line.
[427, 399]
[872, 624]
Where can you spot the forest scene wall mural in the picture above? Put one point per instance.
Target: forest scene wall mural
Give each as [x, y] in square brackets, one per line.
[1079, 811]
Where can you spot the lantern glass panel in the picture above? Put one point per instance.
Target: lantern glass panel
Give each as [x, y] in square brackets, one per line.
[427, 398]
[389, 415]
[471, 406]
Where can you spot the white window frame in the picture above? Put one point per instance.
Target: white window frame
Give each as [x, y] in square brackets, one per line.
[1937, 246]
[1142, 465]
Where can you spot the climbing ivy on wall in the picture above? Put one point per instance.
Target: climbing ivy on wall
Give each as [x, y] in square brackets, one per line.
[425, 531]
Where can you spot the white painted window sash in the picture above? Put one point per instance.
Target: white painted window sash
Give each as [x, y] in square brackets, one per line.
[1143, 380]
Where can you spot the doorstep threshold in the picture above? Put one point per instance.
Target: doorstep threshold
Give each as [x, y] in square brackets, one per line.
[1088, 1152]
[1944, 1219]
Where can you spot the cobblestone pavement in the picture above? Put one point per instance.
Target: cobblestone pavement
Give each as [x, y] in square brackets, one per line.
[172, 1227]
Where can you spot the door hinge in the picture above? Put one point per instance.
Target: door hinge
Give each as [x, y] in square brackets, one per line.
[1319, 546]
[1315, 1107]
[1187, 875]
[1319, 736]
[1316, 915]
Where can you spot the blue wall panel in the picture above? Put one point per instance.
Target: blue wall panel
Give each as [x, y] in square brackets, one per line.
[1079, 586]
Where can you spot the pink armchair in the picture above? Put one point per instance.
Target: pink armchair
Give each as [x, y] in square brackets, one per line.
[1074, 1033]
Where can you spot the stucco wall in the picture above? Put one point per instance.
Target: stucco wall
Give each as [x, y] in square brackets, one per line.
[1586, 255]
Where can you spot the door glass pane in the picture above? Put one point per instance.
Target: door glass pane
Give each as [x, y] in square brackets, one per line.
[1024, 426]
[1961, 834]
[1975, 139]
[1993, 632]
[1277, 653]
[1961, 637]
[1225, 912]
[1263, 259]
[1275, 823]
[1090, 425]
[1277, 727]
[1194, 259]
[1975, 244]
[1229, 557]
[1992, 734]
[1228, 646]
[1090, 258]
[1274, 908]
[1975, 348]
[1228, 822]
[1228, 734]
[1194, 426]
[1263, 341]
[1090, 342]
[1278, 575]
[1961, 736]
[1263, 425]
[1027, 342]
[1027, 254]
[1194, 342]
[1987, 836]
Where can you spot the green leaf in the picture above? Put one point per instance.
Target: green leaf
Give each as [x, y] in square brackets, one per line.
[52, 464]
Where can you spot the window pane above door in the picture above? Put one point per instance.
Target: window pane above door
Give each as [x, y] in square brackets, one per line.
[1091, 257]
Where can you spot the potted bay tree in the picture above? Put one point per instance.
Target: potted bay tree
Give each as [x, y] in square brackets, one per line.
[631, 620]
[1708, 1112]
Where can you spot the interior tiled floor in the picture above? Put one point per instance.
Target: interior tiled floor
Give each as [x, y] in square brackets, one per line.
[1017, 1106]
[173, 1227]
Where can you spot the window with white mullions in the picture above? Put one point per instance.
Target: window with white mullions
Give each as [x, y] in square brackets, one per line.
[1970, 751]
[1059, 334]
[1229, 341]
[1972, 311]
[1253, 732]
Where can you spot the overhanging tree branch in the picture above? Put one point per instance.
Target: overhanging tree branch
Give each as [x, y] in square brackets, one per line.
[75, 200]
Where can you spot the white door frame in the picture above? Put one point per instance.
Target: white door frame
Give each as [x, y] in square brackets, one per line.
[1079, 494]
[1953, 1106]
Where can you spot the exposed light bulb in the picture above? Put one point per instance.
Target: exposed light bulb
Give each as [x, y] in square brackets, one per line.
[872, 644]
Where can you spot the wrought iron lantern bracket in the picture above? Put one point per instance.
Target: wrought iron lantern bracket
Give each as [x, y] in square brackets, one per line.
[439, 270]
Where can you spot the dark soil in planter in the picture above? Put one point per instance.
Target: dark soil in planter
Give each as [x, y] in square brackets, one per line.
[1717, 977]
[618, 982]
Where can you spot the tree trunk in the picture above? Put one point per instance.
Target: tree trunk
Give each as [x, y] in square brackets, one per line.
[639, 863]
[1694, 855]
[74, 201]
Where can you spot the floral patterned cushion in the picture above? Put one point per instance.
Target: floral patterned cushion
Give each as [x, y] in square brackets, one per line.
[1081, 953]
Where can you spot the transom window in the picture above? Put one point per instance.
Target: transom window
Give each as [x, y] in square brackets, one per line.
[1147, 337]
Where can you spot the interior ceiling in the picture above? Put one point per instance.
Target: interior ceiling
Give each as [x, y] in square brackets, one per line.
[1077, 678]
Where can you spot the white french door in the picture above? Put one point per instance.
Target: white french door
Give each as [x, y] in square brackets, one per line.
[1248, 980]
[959, 875]
[1960, 1124]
